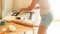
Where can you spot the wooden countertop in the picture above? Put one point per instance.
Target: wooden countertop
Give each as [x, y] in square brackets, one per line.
[20, 22]
[20, 28]
[25, 23]
[21, 25]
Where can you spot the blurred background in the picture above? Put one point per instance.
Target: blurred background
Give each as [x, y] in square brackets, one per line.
[11, 5]
[55, 26]
[0, 9]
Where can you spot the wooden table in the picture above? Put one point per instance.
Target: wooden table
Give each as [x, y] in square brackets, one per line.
[20, 29]
[21, 25]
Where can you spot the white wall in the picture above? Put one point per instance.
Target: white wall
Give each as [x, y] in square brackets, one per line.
[7, 8]
[55, 6]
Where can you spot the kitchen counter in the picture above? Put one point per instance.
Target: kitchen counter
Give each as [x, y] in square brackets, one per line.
[22, 26]
[20, 29]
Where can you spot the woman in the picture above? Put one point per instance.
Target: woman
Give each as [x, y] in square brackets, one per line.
[45, 14]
